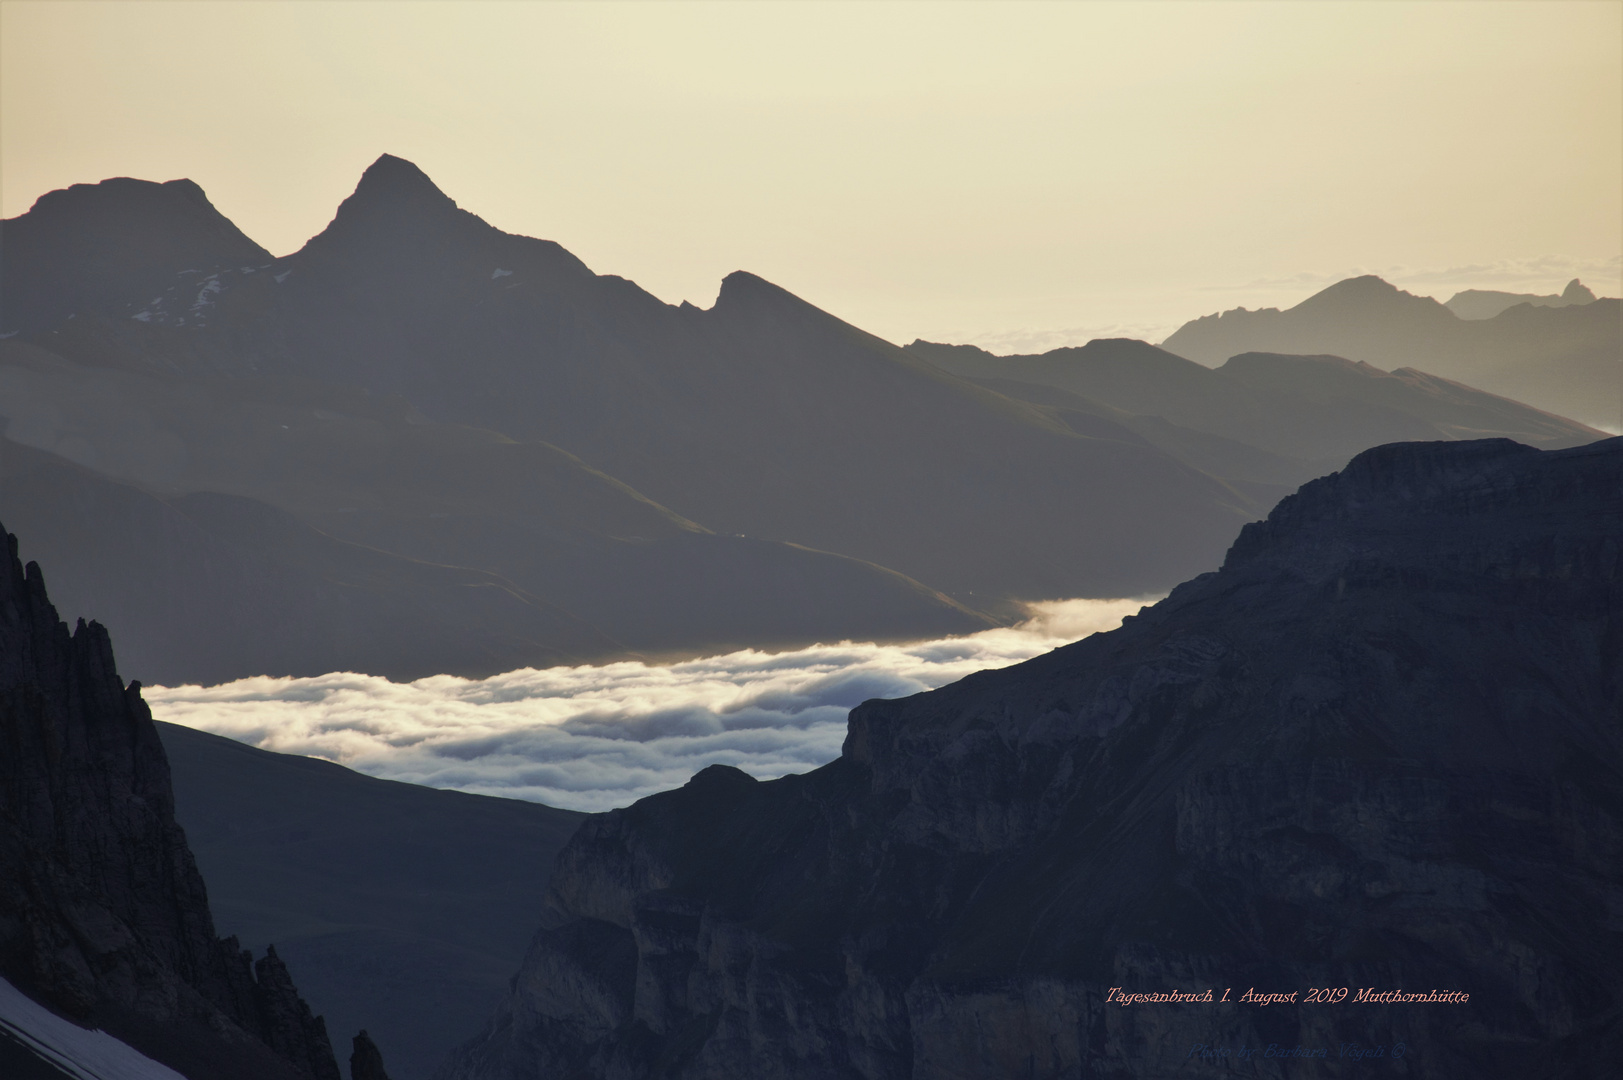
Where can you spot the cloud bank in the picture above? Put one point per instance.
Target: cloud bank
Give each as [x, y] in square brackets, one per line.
[593, 738]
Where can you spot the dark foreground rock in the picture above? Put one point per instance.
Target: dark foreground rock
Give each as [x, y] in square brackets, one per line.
[103, 916]
[402, 909]
[366, 1061]
[1381, 749]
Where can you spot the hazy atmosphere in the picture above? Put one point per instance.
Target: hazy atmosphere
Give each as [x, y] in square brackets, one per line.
[1015, 175]
[686, 541]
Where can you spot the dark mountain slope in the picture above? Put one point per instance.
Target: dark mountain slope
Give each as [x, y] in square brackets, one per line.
[1567, 360]
[411, 547]
[210, 587]
[108, 248]
[103, 917]
[762, 416]
[1380, 749]
[1315, 412]
[403, 909]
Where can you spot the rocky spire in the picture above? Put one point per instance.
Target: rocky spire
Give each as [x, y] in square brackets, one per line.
[395, 208]
[1577, 292]
[285, 1021]
[366, 1063]
[103, 915]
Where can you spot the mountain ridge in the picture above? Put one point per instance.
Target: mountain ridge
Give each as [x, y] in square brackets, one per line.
[758, 417]
[1561, 359]
[104, 918]
[1357, 755]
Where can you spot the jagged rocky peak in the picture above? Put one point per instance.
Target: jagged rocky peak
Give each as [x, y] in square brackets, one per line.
[393, 196]
[1577, 292]
[1380, 749]
[103, 916]
[399, 233]
[744, 292]
[393, 180]
[746, 299]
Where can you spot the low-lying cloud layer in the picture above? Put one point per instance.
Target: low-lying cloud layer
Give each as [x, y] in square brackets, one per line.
[592, 738]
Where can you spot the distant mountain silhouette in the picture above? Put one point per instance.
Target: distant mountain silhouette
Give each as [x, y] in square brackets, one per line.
[477, 453]
[1486, 303]
[762, 420]
[403, 909]
[762, 416]
[1380, 749]
[1264, 422]
[1566, 360]
[255, 528]
[101, 248]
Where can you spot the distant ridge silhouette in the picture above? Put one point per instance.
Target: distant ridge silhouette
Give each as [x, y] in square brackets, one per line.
[1565, 359]
[1486, 303]
[478, 453]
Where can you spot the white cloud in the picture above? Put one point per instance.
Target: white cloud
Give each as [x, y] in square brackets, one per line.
[592, 738]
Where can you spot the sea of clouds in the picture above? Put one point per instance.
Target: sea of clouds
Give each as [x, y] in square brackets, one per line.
[596, 737]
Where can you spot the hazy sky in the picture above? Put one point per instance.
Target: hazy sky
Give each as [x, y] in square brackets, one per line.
[1005, 173]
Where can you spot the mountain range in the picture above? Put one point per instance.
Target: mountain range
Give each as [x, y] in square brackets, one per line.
[1376, 746]
[1486, 303]
[421, 445]
[1376, 754]
[1377, 750]
[1564, 359]
[1262, 422]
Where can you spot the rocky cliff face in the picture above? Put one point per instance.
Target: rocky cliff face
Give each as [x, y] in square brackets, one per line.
[103, 916]
[1381, 749]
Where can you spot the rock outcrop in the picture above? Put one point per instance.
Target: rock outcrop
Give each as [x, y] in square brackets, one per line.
[1380, 750]
[103, 916]
[366, 1061]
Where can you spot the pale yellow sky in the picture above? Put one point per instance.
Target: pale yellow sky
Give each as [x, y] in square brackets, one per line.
[1014, 174]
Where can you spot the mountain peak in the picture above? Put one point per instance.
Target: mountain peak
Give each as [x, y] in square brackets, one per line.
[1370, 282]
[1366, 286]
[741, 285]
[395, 202]
[743, 291]
[1577, 292]
[1360, 296]
[96, 248]
[396, 182]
